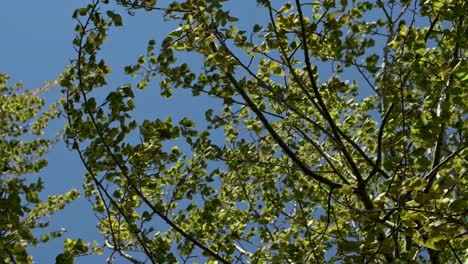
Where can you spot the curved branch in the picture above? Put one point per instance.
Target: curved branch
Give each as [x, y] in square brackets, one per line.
[275, 135]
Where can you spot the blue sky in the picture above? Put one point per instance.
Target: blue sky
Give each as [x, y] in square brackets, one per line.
[36, 47]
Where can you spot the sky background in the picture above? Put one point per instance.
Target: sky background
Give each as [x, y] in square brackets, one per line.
[36, 47]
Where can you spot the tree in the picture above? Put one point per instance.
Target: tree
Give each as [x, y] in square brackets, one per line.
[344, 133]
[22, 121]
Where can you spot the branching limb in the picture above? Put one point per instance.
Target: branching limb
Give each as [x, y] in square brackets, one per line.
[122, 253]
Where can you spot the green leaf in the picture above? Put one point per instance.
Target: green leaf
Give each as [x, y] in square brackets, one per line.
[64, 258]
[116, 18]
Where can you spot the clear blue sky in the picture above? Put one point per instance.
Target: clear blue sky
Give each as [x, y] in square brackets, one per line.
[36, 46]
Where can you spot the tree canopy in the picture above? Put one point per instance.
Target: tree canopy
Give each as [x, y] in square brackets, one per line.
[22, 154]
[341, 135]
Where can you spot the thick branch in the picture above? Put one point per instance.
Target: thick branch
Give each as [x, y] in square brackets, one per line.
[361, 190]
[275, 135]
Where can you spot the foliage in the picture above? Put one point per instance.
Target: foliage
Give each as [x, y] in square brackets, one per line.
[344, 133]
[22, 121]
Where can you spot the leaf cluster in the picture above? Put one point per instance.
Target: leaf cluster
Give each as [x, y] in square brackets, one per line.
[344, 133]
